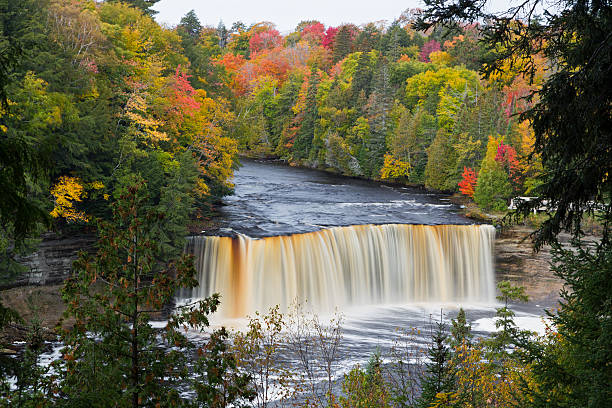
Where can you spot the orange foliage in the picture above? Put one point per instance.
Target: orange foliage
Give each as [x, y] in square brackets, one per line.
[468, 183]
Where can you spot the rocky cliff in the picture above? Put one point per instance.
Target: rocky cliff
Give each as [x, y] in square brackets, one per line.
[52, 261]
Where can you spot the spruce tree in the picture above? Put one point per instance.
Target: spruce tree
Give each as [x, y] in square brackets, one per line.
[190, 25]
[461, 331]
[441, 158]
[113, 355]
[305, 136]
[379, 106]
[223, 34]
[362, 78]
[437, 377]
[342, 44]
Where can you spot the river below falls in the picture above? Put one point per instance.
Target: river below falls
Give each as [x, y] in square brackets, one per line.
[273, 199]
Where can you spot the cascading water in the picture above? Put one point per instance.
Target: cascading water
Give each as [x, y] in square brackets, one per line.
[343, 266]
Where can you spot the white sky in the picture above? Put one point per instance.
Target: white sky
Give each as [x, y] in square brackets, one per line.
[286, 14]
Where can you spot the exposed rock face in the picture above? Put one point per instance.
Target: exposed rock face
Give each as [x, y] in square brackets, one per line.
[516, 262]
[52, 262]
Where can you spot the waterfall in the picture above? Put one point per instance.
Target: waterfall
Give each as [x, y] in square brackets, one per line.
[343, 266]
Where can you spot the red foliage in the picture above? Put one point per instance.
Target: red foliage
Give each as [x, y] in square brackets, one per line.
[314, 33]
[506, 156]
[181, 97]
[428, 48]
[264, 41]
[273, 64]
[231, 62]
[468, 183]
[330, 35]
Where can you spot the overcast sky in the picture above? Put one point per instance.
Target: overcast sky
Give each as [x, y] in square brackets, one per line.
[286, 14]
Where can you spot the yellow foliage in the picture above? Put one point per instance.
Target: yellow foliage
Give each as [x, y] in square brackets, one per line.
[394, 169]
[96, 185]
[145, 126]
[441, 58]
[480, 384]
[66, 192]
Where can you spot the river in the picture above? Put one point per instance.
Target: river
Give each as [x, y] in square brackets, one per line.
[275, 199]
[281, 218]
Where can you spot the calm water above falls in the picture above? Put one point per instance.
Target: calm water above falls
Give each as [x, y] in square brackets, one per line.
[274, 199]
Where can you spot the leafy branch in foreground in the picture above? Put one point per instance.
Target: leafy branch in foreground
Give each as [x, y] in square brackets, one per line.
[113, 352]
[571, 115]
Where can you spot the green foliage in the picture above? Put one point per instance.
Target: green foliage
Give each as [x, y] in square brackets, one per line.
[437, 377]
[572, 364]
[365, 388]
[461, 331]
[493, 188]
[507, 332]
[112, 352]
[342, 43]
[218, 382]
[441, 160]
[144, 5]
[33, 382]
[305, 136]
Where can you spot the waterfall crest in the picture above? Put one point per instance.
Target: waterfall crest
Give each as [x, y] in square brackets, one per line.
[343, 266]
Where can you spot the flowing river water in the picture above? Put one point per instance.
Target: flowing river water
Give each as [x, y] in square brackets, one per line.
[387, 258]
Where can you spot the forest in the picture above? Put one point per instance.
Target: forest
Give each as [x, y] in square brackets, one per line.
[114, 124]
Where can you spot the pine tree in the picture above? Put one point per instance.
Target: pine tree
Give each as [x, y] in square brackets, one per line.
[190, 25]
[461, 331]
[437, 377]
[507, 331]
[112, 354]
[441, 160]
[223, 34]
[378, 109]
[362, 78]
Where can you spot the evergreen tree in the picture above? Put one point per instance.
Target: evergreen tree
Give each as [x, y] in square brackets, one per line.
[144, 5]
[223, 34]
[507, 331]
[190, 25]
[394, 41]
[379, 106]
[493, 188]
[305, 136]
[461, 331]
[441, 159]
[112, 353]
[24, 152]
[342, 43]
[437, 377]
[362, 78]
[572, 366]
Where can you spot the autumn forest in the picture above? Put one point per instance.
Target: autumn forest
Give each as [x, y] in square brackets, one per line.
[115, 125]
